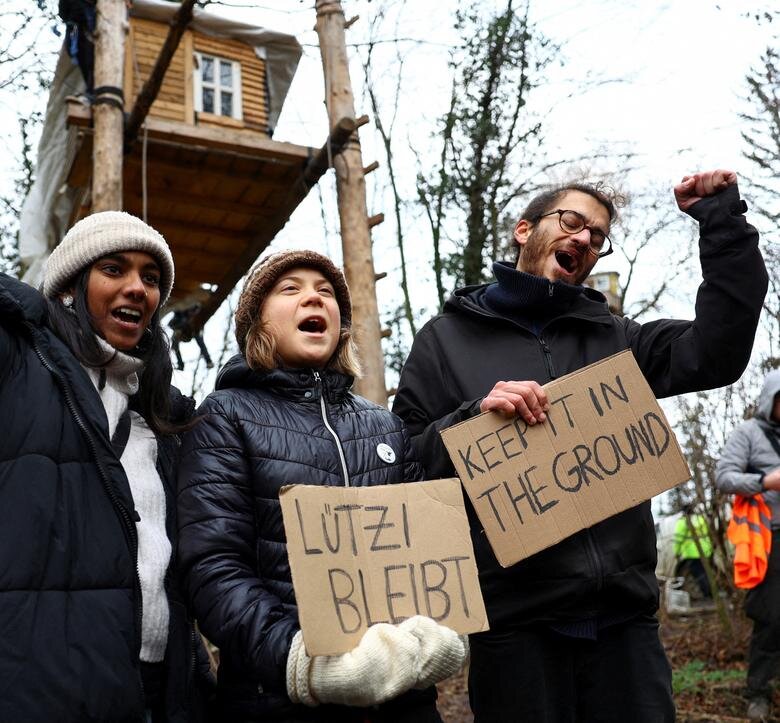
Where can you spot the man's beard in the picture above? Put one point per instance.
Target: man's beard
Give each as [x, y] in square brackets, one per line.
[533, 254]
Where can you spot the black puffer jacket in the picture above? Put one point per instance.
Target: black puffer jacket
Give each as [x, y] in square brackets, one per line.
[70, 606]
[258, 432]
[607, 570]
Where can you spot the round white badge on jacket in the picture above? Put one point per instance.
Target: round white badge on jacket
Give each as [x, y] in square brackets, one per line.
[385, 452]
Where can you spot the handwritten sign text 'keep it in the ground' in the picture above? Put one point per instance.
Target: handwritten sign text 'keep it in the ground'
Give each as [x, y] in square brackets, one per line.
[606, 446]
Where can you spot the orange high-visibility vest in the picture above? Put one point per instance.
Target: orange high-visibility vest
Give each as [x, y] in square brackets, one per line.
[750, 531]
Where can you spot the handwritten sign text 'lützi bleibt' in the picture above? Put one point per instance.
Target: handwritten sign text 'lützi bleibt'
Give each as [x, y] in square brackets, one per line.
[364, 555]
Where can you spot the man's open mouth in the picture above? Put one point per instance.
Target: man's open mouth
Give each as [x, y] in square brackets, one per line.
[313, 325]
[566, 261]
[126, 315]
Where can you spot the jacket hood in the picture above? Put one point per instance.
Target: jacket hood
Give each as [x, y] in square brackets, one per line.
[766, 399]
[21, 301]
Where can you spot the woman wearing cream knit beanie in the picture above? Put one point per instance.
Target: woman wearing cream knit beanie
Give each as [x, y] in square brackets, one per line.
[87, 479]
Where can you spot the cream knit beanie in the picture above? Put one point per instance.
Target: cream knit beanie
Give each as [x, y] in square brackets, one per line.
[98, 235]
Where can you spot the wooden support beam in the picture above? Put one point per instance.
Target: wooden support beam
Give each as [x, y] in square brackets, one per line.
[351, 193]
[376, 219]
[151, 87]
[108, 106]
[370, 168]
[338, 138]
[199, 234]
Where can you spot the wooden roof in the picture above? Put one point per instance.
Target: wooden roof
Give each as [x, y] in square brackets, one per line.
[218, 195]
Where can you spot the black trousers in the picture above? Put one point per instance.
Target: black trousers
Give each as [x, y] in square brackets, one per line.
[762, 606]
[542, 676]
[342, 714]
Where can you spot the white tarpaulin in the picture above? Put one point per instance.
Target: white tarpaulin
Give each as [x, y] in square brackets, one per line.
[48, 206]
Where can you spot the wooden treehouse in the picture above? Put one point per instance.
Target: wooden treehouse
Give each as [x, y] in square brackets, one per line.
[179, 130]
[204, 170]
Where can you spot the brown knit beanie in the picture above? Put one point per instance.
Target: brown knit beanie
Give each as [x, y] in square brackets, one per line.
[267, 272]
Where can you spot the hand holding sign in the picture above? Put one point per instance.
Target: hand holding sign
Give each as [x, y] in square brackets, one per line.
[388, 661]
[524, 399]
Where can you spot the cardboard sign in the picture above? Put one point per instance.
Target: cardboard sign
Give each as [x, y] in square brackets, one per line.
[364, 555]
[606, 446]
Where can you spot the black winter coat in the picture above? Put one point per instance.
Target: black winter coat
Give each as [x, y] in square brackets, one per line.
[607, 570]
[70, 600]
[258, 432]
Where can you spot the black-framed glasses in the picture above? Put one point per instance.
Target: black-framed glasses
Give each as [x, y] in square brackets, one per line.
[573, 222]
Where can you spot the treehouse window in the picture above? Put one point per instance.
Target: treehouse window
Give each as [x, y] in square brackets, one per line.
[217, 86]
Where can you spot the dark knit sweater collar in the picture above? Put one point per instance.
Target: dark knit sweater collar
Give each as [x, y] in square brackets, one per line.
[515, 291]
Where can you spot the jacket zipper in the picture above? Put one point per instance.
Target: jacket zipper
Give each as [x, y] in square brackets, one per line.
[548, 361]
[190, 685]
[128, 526]
[591, 548]
[593, 553]
[321, 388]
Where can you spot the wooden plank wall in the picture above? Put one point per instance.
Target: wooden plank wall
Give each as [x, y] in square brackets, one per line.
[175, 99]
[144, 41]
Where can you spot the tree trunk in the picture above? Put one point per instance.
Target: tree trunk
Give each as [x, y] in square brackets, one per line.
[353, 215]
[108, 110]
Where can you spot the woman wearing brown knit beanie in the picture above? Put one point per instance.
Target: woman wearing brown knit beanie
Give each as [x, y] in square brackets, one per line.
[283, 413]
[91, 625]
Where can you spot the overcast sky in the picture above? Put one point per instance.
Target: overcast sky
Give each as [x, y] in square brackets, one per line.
[681, 65]
[677, 69]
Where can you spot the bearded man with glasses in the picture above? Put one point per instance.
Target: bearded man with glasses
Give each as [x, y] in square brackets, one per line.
[573, 633]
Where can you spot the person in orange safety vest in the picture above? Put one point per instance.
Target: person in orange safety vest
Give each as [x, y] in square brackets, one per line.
[749, 467]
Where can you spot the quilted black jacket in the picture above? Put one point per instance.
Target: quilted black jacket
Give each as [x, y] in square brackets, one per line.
[258, 432]
[70, 606]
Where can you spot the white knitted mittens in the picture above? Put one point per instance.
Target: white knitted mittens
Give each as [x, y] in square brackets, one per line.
[388, 661]
[442, 651]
